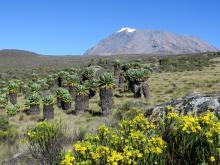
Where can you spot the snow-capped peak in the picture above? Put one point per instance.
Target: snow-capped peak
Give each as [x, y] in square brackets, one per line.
[126, 29]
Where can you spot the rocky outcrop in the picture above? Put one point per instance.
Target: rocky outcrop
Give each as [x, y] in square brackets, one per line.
[195, 104]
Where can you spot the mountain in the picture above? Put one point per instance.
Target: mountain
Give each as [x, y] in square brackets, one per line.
[16, 53]
[134, 41]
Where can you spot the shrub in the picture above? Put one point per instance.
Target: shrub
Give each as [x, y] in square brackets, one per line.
[3, 101]
[45, 142]
[4, 123]
[7, 133]
[129, 144]
[176, 140]
[11, 110]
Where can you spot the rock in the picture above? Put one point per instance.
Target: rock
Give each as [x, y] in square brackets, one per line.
[195, 103]
[98, 70]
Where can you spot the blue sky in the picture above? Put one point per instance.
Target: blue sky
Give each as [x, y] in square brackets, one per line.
[61, 27]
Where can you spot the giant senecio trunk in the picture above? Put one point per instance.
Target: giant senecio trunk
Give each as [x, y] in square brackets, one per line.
[34, 109]
[121, 82]
[13, 98]
[137, 89]
[48, 112]
[72, 91]
[81, 103]
[145, 89]
[106, 100]
[65, 105]
[59, 81]
[117, 73]
[59, 100]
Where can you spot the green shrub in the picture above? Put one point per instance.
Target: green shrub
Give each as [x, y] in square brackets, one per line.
[45, 142]
[4, 123]
[179, 139]
[7, 132]
[11, 110]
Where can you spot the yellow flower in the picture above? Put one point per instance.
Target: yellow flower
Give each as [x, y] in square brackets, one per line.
[69, 159]
[212, 158]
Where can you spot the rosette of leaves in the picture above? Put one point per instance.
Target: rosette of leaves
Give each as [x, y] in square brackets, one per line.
[11, 110]
[63, 74]
[81, 90]
[67, 98]
[73, 80]
[106, 80]
[50, 80]
[34, 76]
[73, 70]
[12, 87]
[48, 100]
[88, 74]
[138, 75]
[61, 91]
[92, 86]
[35, 88]
[3, 83]
[33, 99]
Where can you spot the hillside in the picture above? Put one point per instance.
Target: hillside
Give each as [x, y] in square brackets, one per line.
[135, 41]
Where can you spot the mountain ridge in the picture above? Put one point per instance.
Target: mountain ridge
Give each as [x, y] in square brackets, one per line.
[147, 41]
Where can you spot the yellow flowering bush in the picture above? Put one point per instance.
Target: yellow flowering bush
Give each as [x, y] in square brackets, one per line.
[179, 139]
[134, 142]
[191, 138]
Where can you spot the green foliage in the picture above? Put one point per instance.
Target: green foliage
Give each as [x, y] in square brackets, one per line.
[12, 87]
[34, 76]
[48, 100]
[63, 74]
[106, 80]
[81, 90]
[67, 98]
[11, 110]
[33, 99]
[185, 63]
[88, 73]
[34, 87]
[117, 62]
[192, 140]
[3, 101]
[60, 92]
[45, 142]
[138, 74]
[73, 80]
[177, 140]
[3, 91]
[4, 123]
[91, 84]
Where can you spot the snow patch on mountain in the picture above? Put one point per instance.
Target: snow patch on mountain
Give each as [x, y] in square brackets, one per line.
[126, 29]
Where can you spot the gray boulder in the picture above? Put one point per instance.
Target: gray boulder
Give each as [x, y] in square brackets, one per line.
[195, 103]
